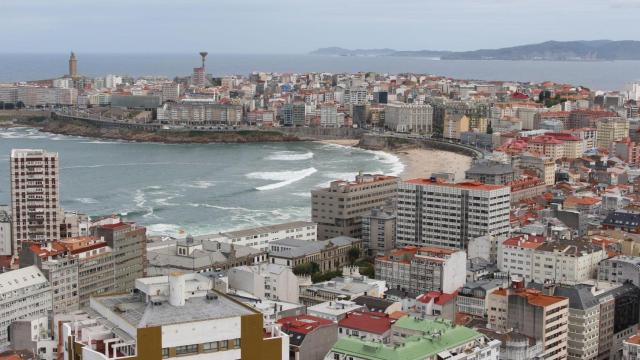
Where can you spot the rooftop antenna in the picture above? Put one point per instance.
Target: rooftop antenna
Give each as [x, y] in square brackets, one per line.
[203, 55]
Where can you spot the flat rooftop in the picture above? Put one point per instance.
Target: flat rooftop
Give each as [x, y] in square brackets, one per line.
[469, 185]
[268, 229]
[133, 309]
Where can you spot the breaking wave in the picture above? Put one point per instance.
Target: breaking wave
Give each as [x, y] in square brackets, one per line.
[284, 177]
[290, 156]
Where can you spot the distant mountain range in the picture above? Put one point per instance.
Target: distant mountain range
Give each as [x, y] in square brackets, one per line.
[549, 50]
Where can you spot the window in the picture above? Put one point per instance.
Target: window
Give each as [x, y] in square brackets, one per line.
[236, 344]
[222, 345]
[210, 346]
[187, 349]
[165, 353]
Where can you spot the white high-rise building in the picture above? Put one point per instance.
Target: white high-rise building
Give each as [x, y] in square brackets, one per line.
[5, 233]
[403, 117]
[633, 91]
[24, 294]
[266, 281]
[445, 214]
[112, 81]
[329, 116]
[170, 91]
[35, 196]
[355, 95]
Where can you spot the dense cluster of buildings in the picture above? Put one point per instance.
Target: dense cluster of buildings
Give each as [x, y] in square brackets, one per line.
[478, 112]
[535, 254]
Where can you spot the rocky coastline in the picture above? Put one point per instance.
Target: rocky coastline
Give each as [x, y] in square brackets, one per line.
[77, 128]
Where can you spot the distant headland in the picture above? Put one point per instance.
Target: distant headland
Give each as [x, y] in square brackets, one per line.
[593, 50]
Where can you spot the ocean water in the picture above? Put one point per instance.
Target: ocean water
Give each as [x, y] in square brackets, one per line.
[603, 75]
[195, 188]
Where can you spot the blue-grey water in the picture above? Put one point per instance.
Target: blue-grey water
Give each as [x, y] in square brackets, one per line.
[195, 188]
[603, 75]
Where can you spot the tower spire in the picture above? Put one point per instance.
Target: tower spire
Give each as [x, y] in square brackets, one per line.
[203, 54]
[73, 66]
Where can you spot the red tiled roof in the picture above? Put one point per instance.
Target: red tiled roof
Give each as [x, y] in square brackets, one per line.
[464, 185]
[113, 226]
[580, 200]
[376, 323]
[534, 297]
[635, 339]
[439, 298]
[43, 252]
[525, 241]
[303, 324]
[397, 315]
[543, 139]
[562, 136]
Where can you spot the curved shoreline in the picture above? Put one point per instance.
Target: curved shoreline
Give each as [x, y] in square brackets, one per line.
[421, 162]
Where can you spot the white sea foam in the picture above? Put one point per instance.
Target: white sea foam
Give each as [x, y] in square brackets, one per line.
[397, 167]
[302, 194]
[201, 184]
[165, 201]
[331, 146]
[228, 208]
[284, 177]
[101, 142]
[10, 135]
[164, 229]
[87, 200]
[290, 156]
[140, 200]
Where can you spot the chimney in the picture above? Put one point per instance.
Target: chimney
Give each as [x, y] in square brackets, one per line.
[176, 289]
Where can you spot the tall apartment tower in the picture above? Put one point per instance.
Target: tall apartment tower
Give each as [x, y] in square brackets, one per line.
[129, 244]
[534, 314]
[338, 209]
[73, 66]
[403, 117]
[610, 130]
[431, 212]
[35, 202]
[199, 77]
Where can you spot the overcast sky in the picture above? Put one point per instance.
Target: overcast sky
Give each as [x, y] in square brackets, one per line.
[299, 26]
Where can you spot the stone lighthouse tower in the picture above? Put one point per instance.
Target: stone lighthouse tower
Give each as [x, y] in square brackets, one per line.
[73, 66]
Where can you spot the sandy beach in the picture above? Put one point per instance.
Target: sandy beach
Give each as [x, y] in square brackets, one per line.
[343, 142]
[421, 163]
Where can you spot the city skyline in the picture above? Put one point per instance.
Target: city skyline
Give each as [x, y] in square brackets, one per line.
[232, 26]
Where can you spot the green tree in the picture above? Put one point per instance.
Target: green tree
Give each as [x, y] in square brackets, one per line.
[310, 268]
[353, 254]
[326, 276]
[368, 271]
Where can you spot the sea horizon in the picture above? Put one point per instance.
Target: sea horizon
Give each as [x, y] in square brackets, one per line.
[599, 75]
